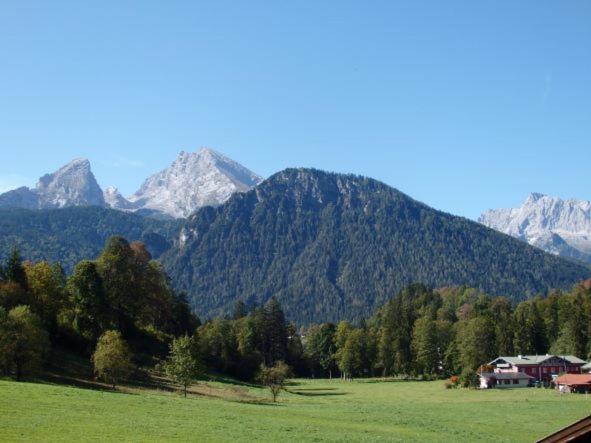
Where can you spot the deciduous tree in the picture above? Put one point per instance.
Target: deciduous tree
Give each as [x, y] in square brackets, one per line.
[112, 358]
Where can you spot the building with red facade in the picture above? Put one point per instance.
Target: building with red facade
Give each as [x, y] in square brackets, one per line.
[539, 367]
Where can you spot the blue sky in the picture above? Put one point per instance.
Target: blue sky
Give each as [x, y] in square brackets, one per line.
[463, 105]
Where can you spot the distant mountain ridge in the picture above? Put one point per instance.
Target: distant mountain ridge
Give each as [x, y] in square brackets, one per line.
[68, 235]
[561, 227]
[72, 185]
[332, 246]
[192, 181]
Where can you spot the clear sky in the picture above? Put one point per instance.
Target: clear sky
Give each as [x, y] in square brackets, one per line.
[465, 105]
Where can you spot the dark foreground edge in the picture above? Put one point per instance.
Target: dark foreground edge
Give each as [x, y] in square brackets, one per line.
[577, 432]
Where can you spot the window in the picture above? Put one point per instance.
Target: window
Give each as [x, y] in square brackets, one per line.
[507, 382]
[515, 382]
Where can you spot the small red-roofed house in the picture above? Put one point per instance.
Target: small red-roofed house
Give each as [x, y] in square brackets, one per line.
[573, 383]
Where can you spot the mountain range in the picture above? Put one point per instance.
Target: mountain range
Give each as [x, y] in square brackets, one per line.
[193, 180]
[561, 227]
[328, 246]
[332, 246]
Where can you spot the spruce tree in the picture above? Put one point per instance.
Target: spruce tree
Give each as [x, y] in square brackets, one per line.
[15, 271]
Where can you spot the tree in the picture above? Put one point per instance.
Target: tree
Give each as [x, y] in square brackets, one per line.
[500, 308]
[24, 343]
[117, 266]
[217, 344]
[344, 328]
[475, 342]
[351, 358]
[46, 288]
[239, 310]
[424, 346]
[87, 301]
[183, 364]
[112, 358]
[320, 347]
[529, 329]
[14, 271]
[276, 332]
[275, 377]
[12, 295]
[246, 342]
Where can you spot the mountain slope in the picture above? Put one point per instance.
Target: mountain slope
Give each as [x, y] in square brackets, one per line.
[71, 234]
[72, 185]
[194, 180]
[335, 246]
[557, 226]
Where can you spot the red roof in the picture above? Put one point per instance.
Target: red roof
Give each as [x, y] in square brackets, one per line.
[574, 379]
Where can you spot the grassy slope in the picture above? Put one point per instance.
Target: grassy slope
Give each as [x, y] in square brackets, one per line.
[313, 411]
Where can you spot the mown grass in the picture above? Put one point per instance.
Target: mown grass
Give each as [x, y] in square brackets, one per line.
[318, 410]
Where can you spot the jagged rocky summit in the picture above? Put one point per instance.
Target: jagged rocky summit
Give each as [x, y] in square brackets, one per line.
[72, 185]
[558, 226]
[194, 180]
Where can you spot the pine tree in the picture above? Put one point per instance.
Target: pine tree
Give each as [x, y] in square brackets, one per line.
[239, 310]
[15, 271]
[276, 331]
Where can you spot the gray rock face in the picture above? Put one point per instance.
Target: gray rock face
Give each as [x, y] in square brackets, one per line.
[115, 200]
[21, 197]
[194, 180]
[561, 227]
[71, 185]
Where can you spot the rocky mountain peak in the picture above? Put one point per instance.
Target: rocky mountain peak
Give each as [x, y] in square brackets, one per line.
[115, 200]
[71, 185]
[193, 180]
[558, 226]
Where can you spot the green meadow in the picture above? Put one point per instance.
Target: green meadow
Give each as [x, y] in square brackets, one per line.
[318, 410]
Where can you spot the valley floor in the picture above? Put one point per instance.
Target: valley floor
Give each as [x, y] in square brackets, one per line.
[313, 410]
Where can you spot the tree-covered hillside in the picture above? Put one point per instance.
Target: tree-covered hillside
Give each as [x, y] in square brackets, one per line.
[333, 247]
[71, 234]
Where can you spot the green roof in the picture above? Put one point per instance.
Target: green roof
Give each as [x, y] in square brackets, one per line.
[537, 359]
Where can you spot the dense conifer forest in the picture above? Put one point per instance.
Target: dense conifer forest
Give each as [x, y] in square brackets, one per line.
[120, 311]
[327, 246]
[72, 234]
[332, 246]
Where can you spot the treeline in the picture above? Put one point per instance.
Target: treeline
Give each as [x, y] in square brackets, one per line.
[452, 331]
[123, 291]
[124, 298]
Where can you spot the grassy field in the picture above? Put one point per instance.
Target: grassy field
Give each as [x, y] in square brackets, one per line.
[312, 411]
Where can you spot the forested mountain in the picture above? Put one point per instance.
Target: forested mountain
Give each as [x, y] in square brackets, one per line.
[333, 247]
[71, 234]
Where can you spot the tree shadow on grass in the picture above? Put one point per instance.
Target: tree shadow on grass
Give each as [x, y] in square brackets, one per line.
[317, 392]
[63, 380]
[230, 381]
